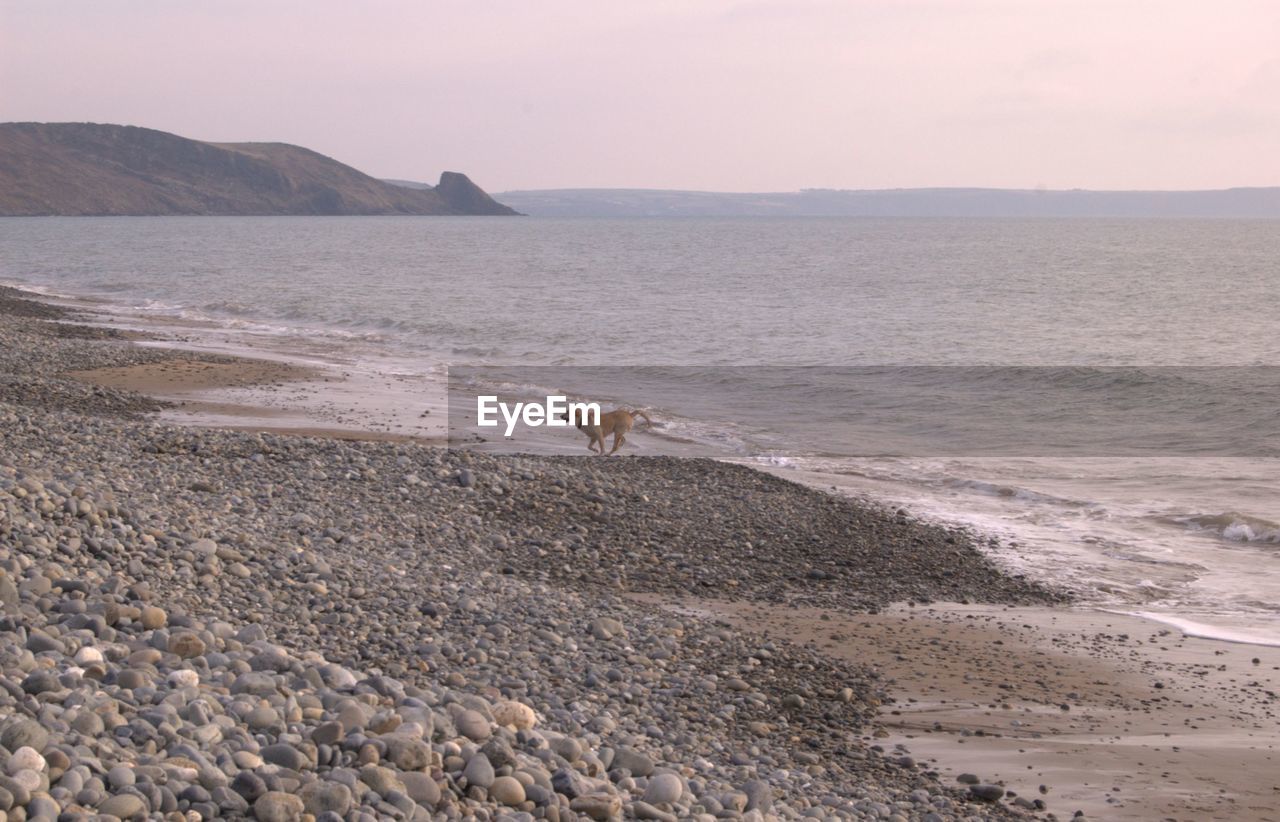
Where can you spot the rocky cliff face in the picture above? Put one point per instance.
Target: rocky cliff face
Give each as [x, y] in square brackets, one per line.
[467, 197]
[74, 169]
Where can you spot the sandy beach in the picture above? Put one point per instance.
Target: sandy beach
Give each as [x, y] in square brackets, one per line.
[693, 639]
[248, 394]
[1112, 714]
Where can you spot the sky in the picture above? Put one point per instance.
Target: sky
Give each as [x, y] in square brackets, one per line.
[688, 94]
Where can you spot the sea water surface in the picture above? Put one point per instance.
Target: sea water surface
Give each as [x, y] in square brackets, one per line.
[731, 323]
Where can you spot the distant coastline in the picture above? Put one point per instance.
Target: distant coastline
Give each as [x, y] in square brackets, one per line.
[94, 169]
[905, 202]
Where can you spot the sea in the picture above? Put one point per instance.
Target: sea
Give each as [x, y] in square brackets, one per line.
[1100, 397]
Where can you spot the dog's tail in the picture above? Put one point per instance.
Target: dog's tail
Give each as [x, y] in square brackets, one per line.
[636, 412]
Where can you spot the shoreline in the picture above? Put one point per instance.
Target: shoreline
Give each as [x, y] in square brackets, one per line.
[1011, 555]
[1114, 715]
[212, 377]
[367, 389]
[876, 639]
[273, 396]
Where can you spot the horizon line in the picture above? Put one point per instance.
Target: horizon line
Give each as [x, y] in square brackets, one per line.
[894, 189]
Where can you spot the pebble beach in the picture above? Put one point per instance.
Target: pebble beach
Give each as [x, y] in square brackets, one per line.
[201, 623]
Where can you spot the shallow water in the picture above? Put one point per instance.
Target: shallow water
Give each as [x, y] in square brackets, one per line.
[1175, 515]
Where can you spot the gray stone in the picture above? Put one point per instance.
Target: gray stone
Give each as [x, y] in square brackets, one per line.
[88, 723]
[663, 788]
[383, 780]
[9, 599]
[759, 796]
[24, 732]
[408, 754]
[124, 806]
[286, 756]
[421, 788]
[598, 806]
[987, 793]
[43, 807]
[568, 748]
[568, 782]
[499, 753]
[195, 793]
[229, 801]
[38, 642]
[479, 771]
[262, 718]
[607, 628]
[249, 785]
[321, 797]
[643, 810]
[186, 645]
[507, 790]
[473, 725]
[277, 806]
[637, 763]
[16, 790]
[328, 733]
[121, 776]
[40, 682]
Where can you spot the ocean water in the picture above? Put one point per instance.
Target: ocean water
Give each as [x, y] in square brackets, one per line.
[1100, 394]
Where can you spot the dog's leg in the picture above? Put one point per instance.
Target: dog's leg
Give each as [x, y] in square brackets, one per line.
[618, 440]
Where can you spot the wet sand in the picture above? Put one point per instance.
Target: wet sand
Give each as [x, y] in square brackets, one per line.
[185, 377]
[1116, 716]
[282, 397]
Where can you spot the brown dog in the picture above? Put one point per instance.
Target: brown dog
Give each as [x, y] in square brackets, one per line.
[617, 423]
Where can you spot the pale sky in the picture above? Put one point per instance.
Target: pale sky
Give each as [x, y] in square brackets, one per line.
[719, 95]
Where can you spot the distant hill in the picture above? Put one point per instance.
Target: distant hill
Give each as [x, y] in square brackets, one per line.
[82, 169]
[909, 202]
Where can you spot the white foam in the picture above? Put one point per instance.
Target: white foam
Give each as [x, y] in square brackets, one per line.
[1233, 526]
[1201, 630]
[38, 290]
[157, 305]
